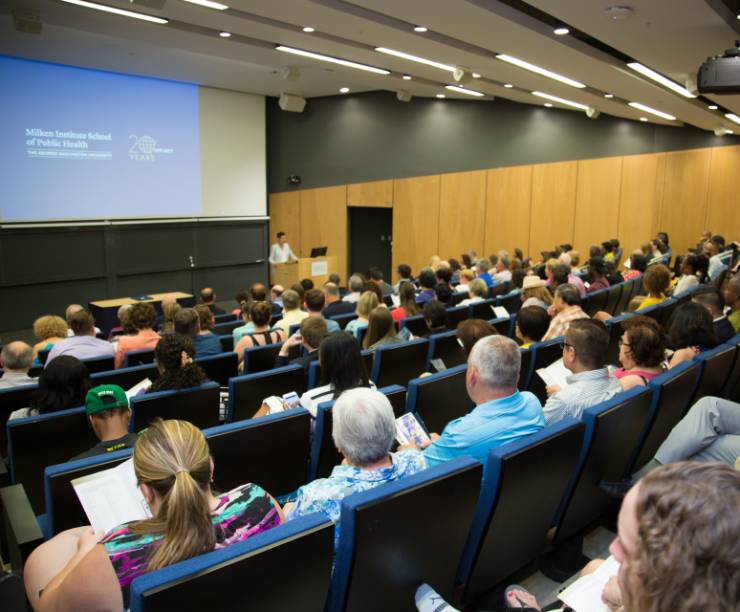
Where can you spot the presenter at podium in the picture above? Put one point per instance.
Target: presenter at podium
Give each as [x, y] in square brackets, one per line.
[280, 252]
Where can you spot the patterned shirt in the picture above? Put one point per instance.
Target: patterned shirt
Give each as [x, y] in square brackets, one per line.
[561, 322]
[326, 494]
[584, 390]
[239, 514]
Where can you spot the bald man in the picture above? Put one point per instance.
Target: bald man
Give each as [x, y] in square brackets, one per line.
[73, 309]
[16, 359]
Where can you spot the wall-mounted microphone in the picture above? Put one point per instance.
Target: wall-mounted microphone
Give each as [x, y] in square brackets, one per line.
[259, 261]
[192, 261]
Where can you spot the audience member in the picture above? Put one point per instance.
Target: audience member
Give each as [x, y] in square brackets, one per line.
[292, 313]
[174, 358]
[656, 281]
[84, 344]
[566, 308]
[124, 319]
[374, 288]
[641, 352]
[575, 262]
[240, 298]
[711, 250]
[427, 281]
[108, 414]
[16, 359]
[584, 354]
[142, 317]
[638, 265]
[711, 299]
[334, 303]
[76, 570]
[562, 275]
[314, 301]
[467, 276]
[199, 329]
[732, 300]
[261, 334]
[208, 298]
[503, 273]
[517, 280]
[690, 332]
[407, 303]
[482, 267]
[532, 323]
[597, 271]
[364, 430]
[608, 249]
[470, 331]
[381, 329]
[368, 300]
[342, 368]
[692, 266]
[478, 292]
[311, 333]
[456, 269]
[375, 275]
[502, 413]
[612, 274]
[49, 329]
[443, 293]
[356, 283]
[534, 293]
[258, 293]
[62, 384]
[435, 317]
[307, 284]
[71, 310]
[276, 295]
[403, 272]
[169, 310]
[298, 288]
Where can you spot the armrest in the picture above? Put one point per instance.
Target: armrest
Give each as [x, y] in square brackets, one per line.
[20, 528]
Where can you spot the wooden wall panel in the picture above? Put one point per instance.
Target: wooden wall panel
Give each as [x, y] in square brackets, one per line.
[377, 194]
[597, 202]
[415, 220]
[640, 199]
[508, 202]
[553, 205]
[462, 210]
[284, 211]
[324, 223]
[684, 207]
[723, 206]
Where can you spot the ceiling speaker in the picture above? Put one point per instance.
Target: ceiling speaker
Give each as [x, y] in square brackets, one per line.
[592, 113]
[403, 96]
[462, 75]
[291, 103]
[27, 20]
[291, 73]
[720, 131]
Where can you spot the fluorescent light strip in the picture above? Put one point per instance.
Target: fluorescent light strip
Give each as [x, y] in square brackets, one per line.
[578, 105]
[652, 111]
[462, 90]
[209, 4]
[544, 72]
[733, 117]
[116, 11]
[333, 60]
[659, 78]
[415, 58]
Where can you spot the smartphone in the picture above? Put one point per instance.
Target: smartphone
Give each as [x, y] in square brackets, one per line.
[291, 400]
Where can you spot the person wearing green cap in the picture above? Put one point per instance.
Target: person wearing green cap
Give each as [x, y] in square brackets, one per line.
[109, 414]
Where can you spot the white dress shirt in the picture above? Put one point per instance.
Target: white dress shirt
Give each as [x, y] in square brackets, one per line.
[281, 254]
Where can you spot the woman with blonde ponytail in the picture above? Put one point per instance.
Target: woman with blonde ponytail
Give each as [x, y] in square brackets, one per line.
[79, 570]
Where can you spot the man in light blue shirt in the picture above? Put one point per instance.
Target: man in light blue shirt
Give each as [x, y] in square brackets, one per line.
[314, 302]
[502, 413]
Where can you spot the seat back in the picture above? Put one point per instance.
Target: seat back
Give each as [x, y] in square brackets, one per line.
[424, 519]
[227, 342]
[482, 310]
[716, 366]
[456, 315]
[732, 386]
[439, 398]
[198, 405]
[525, 370]
[244, 575]
[612, 298]
[512, 302]
[99, 364]
[13, 399]
[42, 355]
[458, 297]
[225, 318]
[615, 330]
[343, 319]
[220, 368]
[543, 354]
[595, 301]
[261, 358]
[507, 518]
[247, 392]
[628, 289]
[126, 377]
[271, 451]
[672, 393]
[63, 508]
[39, 441]
[445, 346]
[226, 328]
[416, 325]
[504, 325]
[139, 357]
[500, 288]
[397, 364]
[612, 432]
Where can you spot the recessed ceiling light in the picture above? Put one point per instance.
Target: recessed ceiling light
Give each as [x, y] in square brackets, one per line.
[547, 96]
[643, 119]
[415, 58]
[508, 85]
[308, 29]
[712, 107]
[441, 96]
[543, 71]
[116, 11]
[209, 4]
[420, 29]
[548, 105]
[733, 117]
[659, 78]
[730, 131]
[225, 34]
[333, 60]
[462, 90]
[652, 111]
[406, 77]
[608, 95]
[344, 90]
[476, 75]
[561, 31]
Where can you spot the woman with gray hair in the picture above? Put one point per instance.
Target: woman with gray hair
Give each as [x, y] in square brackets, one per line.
[363, 428]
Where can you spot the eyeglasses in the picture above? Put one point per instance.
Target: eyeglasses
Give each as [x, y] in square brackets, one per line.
[564, 345]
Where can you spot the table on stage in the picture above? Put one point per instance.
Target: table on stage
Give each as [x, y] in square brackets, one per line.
[106, 311]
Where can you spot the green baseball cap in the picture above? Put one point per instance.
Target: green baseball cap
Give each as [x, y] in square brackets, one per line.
[105, 397]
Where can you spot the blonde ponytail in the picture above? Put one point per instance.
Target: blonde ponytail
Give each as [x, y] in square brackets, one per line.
[172, 458]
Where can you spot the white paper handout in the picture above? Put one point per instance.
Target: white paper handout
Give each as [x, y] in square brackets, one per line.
[408, 429]
[500, 312]
[555, 374]
[143, 384]
[111, 497]
[584, 595]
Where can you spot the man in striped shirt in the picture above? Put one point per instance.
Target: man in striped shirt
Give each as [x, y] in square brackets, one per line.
[584, 349]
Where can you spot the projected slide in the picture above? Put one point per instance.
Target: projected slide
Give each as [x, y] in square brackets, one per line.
[82, 144]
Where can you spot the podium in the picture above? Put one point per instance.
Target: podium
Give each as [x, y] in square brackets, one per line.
[317, 269]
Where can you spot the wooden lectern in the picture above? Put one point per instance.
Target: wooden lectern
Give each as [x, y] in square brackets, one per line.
[317, 269]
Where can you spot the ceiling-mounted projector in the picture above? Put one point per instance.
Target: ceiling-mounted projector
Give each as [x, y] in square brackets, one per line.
[721, 74]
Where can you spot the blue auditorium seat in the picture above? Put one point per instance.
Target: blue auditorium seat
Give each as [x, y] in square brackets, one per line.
[198, 405]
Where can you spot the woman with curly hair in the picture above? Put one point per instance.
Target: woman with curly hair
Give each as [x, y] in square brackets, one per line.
[174, 358]
[49, 329]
